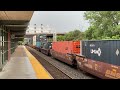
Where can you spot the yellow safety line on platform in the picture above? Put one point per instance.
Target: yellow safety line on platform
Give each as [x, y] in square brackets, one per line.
[40, 71]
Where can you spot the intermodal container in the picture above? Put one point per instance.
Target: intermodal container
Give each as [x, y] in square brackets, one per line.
[38, 44]
[34, 40]
[107, 51]
[71, 47]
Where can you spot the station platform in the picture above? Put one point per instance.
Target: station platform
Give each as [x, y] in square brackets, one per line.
[23, 65]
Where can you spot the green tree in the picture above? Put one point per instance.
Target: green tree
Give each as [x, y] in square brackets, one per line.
[71, 36]
[60, 38]
[103, 24]
[74, 35]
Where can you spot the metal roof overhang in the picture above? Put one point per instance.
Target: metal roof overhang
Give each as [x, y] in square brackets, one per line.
[16, 21]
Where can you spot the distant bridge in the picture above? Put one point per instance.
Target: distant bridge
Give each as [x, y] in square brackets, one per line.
[47, 34]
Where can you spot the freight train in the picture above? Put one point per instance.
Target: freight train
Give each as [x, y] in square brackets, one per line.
[98, 57]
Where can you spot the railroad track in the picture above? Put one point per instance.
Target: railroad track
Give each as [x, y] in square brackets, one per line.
[61, 70]
[49, 65]
[65, 71]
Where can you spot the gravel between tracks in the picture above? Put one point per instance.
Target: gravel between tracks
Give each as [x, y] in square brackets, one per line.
[70, 71]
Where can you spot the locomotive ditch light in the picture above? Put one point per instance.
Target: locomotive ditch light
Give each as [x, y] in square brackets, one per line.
[50, 47]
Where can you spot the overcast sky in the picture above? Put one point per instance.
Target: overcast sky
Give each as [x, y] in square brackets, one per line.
[61, 21]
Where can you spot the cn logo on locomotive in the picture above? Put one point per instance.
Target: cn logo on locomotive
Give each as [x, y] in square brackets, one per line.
[98, 52]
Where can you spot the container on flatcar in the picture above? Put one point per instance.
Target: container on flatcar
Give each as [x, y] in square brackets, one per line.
[67, 47]
[34, 40]
[102, 58]
[64, 50]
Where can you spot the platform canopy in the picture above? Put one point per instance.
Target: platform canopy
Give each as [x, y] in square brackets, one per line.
[16, 21]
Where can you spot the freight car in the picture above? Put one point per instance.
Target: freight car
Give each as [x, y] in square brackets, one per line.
[65, 51]
[102, 58]
[98, 57]
[46, 48]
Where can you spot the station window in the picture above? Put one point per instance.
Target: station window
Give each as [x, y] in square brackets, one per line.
[7, 45]
[3, 45]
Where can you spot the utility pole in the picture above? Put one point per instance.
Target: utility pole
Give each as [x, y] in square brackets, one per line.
[41, 28]
[35, 28]
[54, 35]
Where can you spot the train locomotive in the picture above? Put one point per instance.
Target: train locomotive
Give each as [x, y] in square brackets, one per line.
[38, 41]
